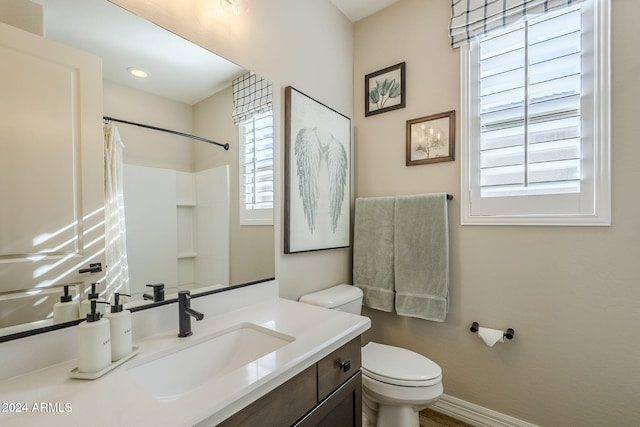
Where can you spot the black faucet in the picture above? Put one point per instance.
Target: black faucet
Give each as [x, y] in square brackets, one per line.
[185, 312]
[158, 293]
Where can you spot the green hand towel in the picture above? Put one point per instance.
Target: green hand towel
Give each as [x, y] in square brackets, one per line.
[373, 251]
[422, 256]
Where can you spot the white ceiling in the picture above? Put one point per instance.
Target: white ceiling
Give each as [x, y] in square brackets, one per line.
[178, 69]
[358, 9]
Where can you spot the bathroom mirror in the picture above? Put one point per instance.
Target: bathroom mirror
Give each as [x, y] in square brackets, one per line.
[163, 173]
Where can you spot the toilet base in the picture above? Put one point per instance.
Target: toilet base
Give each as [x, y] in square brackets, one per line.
[377, 415]
[403, 416]
[391, 416]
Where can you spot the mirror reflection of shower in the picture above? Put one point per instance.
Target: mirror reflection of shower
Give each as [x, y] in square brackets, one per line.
[177, 227]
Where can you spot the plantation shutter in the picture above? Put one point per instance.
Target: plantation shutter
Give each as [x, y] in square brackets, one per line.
[530, 108]
[252, 111]
[256, 160]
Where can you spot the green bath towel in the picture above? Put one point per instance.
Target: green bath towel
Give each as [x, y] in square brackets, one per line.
[373, 251]
[422, 256]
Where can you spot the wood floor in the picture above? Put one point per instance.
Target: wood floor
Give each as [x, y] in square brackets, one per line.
[430, 418]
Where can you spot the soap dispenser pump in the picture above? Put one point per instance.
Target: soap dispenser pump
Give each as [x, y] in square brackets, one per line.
[85, 306]
[94, 342]
[66, 310]
[120, 326]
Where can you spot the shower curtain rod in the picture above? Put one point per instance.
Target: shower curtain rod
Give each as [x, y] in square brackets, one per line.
[174, 132]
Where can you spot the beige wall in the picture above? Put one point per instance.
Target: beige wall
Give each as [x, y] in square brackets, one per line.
[571, 293]
[23, 14]
[146, 147]
[251, 247]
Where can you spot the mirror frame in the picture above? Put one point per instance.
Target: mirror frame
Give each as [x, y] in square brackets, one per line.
[43, 329]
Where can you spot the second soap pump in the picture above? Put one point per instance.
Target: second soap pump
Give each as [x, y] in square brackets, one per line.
[85, 305]
[120, 326]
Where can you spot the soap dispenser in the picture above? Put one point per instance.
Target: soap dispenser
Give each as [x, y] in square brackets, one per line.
[120, 326]
[85, 306]
[94, 342]
[66, 310]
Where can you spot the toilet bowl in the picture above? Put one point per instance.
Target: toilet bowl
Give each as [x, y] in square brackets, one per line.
[396, 383]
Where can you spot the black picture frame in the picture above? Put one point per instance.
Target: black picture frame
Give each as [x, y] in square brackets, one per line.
[385, 90]
[317, 214]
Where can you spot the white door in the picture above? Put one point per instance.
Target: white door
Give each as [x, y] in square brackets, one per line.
[51, 169]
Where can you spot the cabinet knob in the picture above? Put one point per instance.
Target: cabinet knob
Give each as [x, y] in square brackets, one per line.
[345, 366]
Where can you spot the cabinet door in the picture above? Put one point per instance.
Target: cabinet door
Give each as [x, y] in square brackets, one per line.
[51, 165]
[343, 408]
[280, 407]
[338, 367]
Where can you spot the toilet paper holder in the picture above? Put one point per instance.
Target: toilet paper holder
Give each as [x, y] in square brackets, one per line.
[508, 334]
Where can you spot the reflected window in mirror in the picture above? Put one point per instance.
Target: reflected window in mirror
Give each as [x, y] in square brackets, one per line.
[256, 168]
[252, 112]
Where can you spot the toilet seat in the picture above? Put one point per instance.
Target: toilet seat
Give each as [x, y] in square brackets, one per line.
[399, 366]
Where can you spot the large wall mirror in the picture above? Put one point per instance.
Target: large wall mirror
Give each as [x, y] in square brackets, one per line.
[181, 195]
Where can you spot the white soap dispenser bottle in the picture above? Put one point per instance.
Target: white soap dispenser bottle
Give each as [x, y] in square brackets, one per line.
[85, 305]
[94, 342]
[66, 310]
[120, 326]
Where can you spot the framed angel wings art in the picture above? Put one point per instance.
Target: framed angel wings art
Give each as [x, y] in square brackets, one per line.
[317, 175]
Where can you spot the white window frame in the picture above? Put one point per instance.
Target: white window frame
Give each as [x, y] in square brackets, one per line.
[250, 216]
[596, 179]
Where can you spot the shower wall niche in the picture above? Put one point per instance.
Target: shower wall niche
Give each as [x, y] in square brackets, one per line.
[177, 227]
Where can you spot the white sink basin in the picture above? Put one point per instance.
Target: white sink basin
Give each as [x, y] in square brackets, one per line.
[170, 375]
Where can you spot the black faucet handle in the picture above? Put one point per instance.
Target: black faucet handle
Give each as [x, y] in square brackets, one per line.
[158, 291]
[185, 313]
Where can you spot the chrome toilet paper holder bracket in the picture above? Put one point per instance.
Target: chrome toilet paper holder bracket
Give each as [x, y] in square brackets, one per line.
[508, 334]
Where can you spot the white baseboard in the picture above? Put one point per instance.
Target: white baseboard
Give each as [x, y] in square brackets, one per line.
[475, 415]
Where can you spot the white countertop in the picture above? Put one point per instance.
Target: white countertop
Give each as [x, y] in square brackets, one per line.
[49, 397]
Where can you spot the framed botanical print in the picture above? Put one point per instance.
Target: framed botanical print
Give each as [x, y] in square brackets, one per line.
[385, 90]
[431, 139]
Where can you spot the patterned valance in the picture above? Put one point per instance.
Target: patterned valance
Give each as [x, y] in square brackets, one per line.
[470, 18]
[252, 95]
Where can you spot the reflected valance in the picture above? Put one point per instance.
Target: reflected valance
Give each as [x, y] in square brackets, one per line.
[252, 95]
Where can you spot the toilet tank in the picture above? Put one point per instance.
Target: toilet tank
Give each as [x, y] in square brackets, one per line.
[344, 297]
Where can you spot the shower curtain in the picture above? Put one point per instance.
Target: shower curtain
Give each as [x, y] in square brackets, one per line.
[115, 231]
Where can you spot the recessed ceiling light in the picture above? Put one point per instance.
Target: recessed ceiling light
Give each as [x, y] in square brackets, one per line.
[137, 72]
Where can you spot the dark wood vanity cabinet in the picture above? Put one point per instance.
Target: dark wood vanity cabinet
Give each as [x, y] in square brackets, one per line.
[343, 408]
[328, 393]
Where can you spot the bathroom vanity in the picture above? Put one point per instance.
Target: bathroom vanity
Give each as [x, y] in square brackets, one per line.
[269, 359]
[326, 393]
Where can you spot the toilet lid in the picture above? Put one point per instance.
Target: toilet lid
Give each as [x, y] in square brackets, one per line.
[395, 365]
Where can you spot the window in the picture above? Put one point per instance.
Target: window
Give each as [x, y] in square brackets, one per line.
[256, 170]
[535, 121]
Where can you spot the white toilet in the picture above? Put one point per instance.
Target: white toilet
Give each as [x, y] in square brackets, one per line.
[396, 383]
